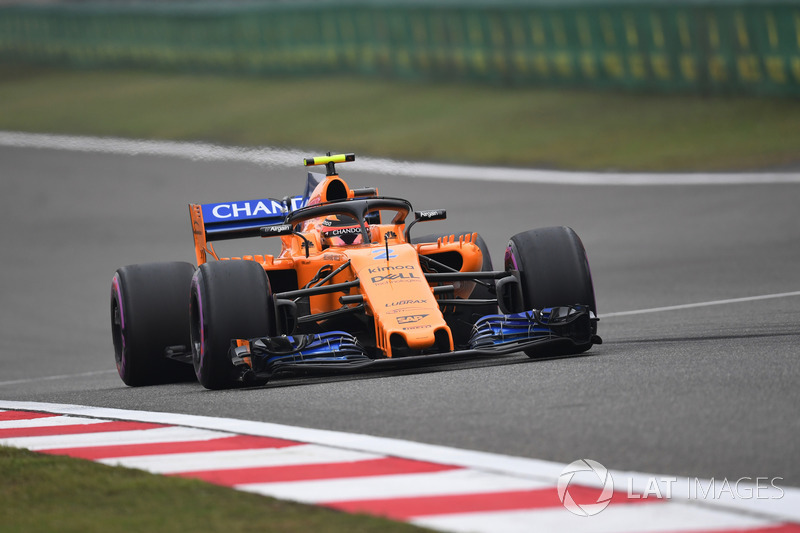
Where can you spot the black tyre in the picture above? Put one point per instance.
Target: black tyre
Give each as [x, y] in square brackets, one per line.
[149, 314]
[229, 300]
[461, 319]
[554, 271]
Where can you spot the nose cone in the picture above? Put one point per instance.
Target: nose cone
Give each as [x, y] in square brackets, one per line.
[405, 311]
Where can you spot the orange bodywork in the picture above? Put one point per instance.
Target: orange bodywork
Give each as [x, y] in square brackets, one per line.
[395, 292]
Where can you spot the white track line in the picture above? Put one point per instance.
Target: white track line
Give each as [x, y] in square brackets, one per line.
[702, 304]
[787, 507]
[293, 159]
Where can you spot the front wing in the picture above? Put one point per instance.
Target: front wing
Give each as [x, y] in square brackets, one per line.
[552, 331]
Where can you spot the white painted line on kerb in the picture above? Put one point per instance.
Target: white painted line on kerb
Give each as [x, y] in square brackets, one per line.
[701, 304]
[251, 458]
[48, 422]
[638, 518]
[267, 156]
[449, 483]
[136, 436]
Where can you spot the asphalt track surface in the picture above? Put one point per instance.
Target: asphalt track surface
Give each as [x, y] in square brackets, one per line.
[707, 391]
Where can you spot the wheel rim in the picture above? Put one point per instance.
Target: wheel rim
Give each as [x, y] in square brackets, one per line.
[510, 262]
[118, 327]
[510, 259]
[197, 331]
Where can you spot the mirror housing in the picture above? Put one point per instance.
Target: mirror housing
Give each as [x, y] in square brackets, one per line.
[431, 214]
[423, 216]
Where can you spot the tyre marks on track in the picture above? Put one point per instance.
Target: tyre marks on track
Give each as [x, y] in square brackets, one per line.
[267, 156]
[447, 491]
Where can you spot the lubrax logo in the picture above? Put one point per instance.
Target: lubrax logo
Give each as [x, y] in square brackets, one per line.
[388, 268]
[410, 319]
[406, 302]
[394, 277]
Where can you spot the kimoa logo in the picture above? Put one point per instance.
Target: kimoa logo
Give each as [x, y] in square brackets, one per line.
[388, 268]
[598, 470]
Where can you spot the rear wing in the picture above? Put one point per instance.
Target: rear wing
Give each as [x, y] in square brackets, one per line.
[238, 220]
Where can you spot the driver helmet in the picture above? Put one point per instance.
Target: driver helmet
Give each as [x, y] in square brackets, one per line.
[341, 230]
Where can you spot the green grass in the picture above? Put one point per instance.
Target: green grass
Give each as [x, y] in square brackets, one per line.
[42, 493]
[567, 129]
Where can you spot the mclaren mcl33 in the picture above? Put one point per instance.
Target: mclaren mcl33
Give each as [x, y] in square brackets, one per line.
[351, 289]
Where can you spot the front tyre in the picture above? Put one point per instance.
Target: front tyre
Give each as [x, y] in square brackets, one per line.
[148, 314]
[229, 300]
[554, 272]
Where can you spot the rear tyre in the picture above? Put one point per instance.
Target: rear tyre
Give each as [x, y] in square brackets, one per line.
[461, 319]
[149, 314]
[554, 272]
[229, 300]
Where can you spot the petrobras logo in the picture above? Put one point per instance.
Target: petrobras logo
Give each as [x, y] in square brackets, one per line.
[405, 310]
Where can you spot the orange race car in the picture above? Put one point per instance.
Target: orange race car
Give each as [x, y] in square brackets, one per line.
[351, 289]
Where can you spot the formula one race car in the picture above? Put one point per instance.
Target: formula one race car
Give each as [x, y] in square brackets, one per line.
[351, 290]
